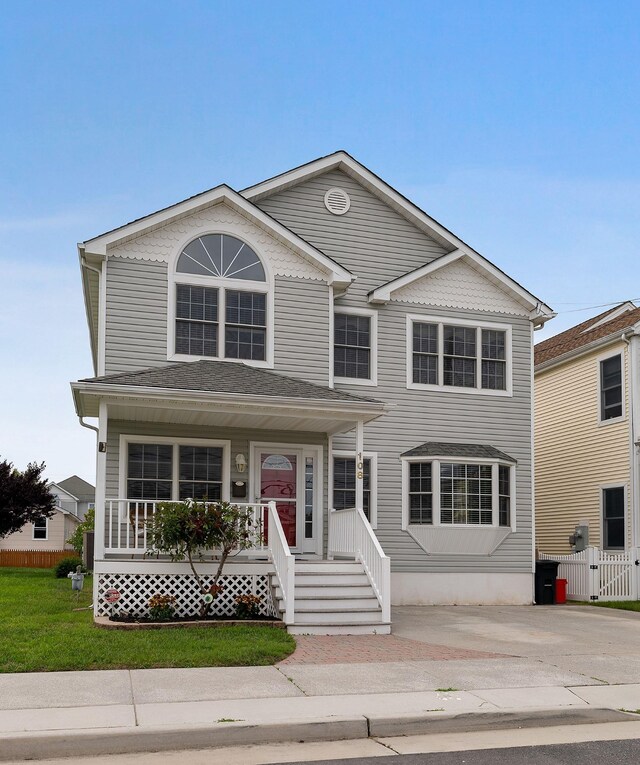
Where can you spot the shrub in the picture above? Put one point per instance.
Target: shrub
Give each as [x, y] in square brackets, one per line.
[66, 565]
[161, 607]
[247, 606]
[76, 540]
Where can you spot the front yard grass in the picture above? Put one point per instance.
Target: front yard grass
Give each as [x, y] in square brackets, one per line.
[40, 632]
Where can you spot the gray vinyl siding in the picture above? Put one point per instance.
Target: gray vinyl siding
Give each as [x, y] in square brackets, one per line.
[136, 327]
[418, 416]
[240, 442]
[377, 245]
[373, 241]
[136, 324]
[302, 342]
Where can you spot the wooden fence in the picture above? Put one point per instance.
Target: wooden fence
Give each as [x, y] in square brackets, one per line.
[33, 558]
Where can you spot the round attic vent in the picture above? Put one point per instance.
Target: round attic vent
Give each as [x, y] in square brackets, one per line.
[337, 201]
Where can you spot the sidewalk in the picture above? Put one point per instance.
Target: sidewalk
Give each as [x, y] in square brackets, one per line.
[429, 689]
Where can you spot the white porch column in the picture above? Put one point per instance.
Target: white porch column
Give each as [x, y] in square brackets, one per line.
[359, 465]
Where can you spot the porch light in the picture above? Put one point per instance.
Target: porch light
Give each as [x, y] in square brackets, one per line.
[241, 463]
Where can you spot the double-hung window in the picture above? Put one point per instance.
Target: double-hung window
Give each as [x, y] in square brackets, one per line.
[221, 301]
[613, 517]
[354, 335]
[40, 529]
[468, 357]
[449, 493]
[175, 471]
[344, 484]
[611, 406]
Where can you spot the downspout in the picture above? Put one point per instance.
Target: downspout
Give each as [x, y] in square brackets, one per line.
[631, 339]
[86, 425]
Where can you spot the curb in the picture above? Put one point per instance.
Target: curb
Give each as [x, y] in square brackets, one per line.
[94, 742]
[106, 624]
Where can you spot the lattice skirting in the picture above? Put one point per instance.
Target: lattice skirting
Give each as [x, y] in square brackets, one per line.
[136, 590]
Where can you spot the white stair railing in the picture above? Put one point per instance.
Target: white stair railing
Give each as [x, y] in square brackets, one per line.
[350, 533]
[283, 561]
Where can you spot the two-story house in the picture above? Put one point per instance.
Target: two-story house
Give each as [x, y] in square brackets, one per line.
[587, 425]
[320, 348]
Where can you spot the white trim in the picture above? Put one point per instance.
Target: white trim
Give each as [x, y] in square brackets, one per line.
[479, 326]
[373, 478]
[614, 314]
[99, 245]
[373, 351]
[435, 491]
[634, 433]
[222, 284]
[615, 485]
[623, 373]
[301, 451]
[130, 438]
[343, 161]
[541, 313]
[331, 333]
[45, 538]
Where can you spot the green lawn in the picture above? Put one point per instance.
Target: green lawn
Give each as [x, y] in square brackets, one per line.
[625, 605]
[40, 632]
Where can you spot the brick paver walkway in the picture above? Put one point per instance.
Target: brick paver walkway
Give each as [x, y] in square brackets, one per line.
[350, 649]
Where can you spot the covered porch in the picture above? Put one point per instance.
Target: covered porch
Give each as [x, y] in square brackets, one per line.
[227, 431]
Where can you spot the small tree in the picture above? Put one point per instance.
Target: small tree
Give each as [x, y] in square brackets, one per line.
[25, 496]
[76, 540]
[189, 529]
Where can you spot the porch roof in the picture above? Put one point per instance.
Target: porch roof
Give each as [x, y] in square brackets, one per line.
[223, 393]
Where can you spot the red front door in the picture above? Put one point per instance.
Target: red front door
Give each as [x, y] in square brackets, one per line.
[279, 482]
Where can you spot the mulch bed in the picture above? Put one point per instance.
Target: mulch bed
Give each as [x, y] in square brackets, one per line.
[128, 622]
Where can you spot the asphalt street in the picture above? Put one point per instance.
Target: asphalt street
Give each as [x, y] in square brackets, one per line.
[587, 753]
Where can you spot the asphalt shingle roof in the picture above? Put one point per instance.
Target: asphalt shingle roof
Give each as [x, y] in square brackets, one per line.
[580, 335]
[471, 451]
[227, 377]
[79, 488]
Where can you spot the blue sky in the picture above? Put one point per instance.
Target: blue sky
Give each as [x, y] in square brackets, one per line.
[514, 124]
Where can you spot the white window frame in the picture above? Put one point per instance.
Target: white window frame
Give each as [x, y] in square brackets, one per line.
[435, 490]
[373, 358]
[45, 538]
[222, 284]
[373, 461]
[623, 367]
[615, 485]
[478, 326]
[176, 443]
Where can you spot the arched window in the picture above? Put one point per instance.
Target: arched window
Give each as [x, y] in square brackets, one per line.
[221, 297]
[221, 255]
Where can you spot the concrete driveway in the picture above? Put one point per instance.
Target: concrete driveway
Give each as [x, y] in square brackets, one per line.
[601, 644]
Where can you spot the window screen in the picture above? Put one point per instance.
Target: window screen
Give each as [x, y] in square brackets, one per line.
[459, 351]
[613, 518]
[196, 320]
[611, 388]
[425, 353]
[200, 472]
[344, 484]
[245, 328]
[504, 495]
[494, 366]
[149, 471]
[420, 493]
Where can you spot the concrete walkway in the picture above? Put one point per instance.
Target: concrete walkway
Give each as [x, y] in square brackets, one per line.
[545, 664]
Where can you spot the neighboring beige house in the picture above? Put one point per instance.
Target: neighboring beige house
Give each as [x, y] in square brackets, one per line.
[587, 409]
[74, 496]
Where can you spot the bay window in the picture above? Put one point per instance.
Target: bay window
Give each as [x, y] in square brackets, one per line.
[447, 493]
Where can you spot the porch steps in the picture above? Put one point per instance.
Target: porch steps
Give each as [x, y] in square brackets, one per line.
[334, 598]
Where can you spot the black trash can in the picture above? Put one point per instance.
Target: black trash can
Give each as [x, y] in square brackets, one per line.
[545, 582]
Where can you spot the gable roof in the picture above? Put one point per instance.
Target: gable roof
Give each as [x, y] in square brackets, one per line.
[79, 488]
[594, 331]
[98, 245]
[471, 451]
[227, 377]
[540, 312]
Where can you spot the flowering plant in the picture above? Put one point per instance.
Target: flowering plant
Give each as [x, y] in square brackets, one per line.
[161, 607]
[247, 606]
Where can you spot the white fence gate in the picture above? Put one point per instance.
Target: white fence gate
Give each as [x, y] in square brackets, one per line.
[594, 574]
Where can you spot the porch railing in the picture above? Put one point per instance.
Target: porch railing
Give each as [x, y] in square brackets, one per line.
[283, 562]
[350, 533]
[126, 526]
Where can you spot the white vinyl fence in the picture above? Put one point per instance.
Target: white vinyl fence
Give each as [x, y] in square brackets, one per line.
[597, 575]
